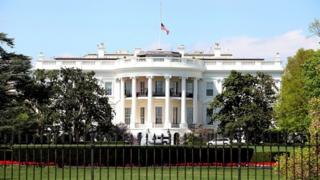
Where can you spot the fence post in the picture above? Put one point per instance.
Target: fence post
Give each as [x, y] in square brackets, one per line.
[92, 154]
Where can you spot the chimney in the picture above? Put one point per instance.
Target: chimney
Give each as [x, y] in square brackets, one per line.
[217, 50]
[137, 51]
[101, 50]
[181, 50]
[277, 57]
[41, 56]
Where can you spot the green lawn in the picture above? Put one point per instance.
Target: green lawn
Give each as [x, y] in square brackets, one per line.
[32, 172]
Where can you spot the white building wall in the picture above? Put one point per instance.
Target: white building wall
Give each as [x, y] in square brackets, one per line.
[214, 70]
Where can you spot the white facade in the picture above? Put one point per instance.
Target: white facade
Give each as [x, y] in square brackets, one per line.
[183, 84]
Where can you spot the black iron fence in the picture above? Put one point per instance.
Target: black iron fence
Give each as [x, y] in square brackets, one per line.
[192, 156]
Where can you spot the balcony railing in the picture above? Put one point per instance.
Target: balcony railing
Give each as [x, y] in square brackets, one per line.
[158, 94]
[142, 93]
[139, 125]
[175, 125]
[175, 94]
[128, 94]
[189, 95]
[157, 125]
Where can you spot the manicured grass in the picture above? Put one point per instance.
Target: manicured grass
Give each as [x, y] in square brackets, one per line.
[33, 172]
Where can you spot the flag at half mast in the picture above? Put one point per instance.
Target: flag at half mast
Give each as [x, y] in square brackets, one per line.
[164, 28]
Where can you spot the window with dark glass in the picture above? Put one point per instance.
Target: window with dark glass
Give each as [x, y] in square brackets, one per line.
[209, 90]
[175, 115]
[142, 115]
[159, 87]
[189, 115]
[189, 89]
[158, 115]
[127, 114]
[209, 115]
[108, 88]
[142, 87]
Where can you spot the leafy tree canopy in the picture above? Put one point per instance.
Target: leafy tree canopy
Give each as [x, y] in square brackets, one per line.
[291, 108]
[245, 105]
[311, 75]
[14, 81]
[76, 106]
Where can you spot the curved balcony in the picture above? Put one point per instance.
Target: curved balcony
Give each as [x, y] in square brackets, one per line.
[159, 62]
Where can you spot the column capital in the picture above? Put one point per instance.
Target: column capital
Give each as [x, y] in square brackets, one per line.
[150, 76]
[133, 77]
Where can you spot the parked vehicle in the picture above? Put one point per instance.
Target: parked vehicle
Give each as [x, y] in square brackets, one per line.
[224, 141]
[160, 140]
[157, 141]
[219, 141]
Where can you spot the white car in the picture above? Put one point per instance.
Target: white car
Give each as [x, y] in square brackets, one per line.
[224, 141]
[219, 141]
[157, 141]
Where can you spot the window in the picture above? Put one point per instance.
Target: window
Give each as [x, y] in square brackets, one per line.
[127, 87]
[158, 115]
[176, 87]
[209, 91]
[142, 115]
[142, 87]
[189, 87]
[108, 88]
[127, 115]
[209, 115]
[159, 87]
[175, 115]
[190, 115]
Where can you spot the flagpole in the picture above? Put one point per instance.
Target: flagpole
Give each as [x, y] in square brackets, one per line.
[160, 18]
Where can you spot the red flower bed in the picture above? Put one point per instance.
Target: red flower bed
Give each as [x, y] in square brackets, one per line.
[245, 164]
[28, 163]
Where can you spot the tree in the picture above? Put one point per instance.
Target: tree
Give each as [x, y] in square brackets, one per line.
[77, 105]
[14, 81]
[291, 109]
[245, 105]
[311, 75]
[305, 165]
[314, 27]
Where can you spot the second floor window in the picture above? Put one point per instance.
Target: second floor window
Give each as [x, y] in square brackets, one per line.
[108, 88]
[209, 90]
[189, 88]
[142, 87]
[159, 87]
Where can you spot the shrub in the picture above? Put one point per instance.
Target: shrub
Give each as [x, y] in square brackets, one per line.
[301, 164]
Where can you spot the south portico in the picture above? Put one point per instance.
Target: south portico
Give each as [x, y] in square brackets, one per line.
[171, 105]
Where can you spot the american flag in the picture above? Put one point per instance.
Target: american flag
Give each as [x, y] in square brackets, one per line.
[163, 28]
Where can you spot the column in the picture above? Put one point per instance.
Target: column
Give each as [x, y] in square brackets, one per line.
[149, 108]
[116, 94]
[122, 100]
[133, 102]
[183, 123]
[195, 101]
[167, 122]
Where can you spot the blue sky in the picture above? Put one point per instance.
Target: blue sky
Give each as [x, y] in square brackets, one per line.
[75, 27]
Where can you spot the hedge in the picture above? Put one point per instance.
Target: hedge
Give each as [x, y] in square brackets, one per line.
[126, 155]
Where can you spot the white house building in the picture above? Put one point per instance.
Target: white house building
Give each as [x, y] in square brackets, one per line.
[154, 92]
